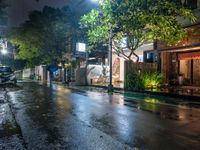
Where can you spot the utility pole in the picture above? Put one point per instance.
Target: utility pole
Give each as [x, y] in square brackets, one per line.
[110, 86]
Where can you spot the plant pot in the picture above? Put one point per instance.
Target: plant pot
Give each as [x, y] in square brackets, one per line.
[180, 79]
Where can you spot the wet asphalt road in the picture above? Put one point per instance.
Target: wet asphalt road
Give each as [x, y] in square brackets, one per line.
[39, 117]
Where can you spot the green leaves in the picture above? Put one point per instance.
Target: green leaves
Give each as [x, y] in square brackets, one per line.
[44, 37]
[98, 34]
[139, 20]
[141, 81]
[152, 80]
[90, 19]
[134, 82]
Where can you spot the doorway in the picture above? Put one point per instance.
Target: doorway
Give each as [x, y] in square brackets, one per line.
[185, 69]
[191, 71]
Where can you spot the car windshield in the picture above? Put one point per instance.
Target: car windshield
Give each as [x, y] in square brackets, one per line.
[5, 69]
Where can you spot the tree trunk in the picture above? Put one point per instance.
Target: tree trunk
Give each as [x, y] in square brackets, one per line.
[137, 57]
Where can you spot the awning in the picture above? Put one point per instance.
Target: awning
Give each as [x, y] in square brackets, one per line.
[189, 56]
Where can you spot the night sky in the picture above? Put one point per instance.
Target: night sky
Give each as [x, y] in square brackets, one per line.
[18, 9]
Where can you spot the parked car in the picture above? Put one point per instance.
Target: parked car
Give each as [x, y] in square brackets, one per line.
[7, 76]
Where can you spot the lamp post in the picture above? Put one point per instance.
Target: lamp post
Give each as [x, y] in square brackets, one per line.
[4, 51]
[64, 71]
[110, 85]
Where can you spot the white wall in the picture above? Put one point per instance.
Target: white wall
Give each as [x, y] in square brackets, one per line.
[139, 52]
[41, 72]
[27, 72]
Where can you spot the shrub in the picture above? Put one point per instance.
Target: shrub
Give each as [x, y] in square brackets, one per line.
[152, 80]
[134, 81]
[141, 81]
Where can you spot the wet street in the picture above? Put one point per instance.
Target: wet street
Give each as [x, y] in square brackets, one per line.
[40, 117]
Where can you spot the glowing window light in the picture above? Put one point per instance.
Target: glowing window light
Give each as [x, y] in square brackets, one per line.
[80, 47]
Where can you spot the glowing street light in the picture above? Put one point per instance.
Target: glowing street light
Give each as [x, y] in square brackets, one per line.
[95, 1]
[4, 51]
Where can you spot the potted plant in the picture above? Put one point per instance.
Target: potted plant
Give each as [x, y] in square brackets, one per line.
[180, 78]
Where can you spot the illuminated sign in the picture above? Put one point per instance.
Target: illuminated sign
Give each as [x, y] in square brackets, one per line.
[80, 47]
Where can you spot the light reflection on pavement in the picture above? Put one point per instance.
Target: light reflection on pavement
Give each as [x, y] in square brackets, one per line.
[57, 117]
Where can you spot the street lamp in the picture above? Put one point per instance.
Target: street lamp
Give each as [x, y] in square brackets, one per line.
[64, 71]
[95, 1]
[110, 86]
[4, 51]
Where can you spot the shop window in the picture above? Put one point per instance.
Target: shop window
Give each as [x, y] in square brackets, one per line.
[149, 57]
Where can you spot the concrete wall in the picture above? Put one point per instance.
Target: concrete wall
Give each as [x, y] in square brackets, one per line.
[19, 74]
[28, 72]
[41, 72]
[97, 74]
[80, 76]
[121, 65]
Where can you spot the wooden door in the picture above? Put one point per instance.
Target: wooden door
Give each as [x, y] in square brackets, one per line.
[196, 72]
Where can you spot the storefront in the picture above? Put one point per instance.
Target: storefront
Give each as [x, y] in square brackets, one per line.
[182, 61]
[189, 67]
[181, 64]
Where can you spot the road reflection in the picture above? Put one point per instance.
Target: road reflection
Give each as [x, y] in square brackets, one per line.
[142, 122]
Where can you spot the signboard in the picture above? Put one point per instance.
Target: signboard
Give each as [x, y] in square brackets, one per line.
[80, 47]
[52, 68]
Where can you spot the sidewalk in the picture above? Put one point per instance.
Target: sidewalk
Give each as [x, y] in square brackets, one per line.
[164, 96]
[182, 92]
[10, 136]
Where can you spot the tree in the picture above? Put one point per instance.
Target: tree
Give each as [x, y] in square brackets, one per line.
[135, 22]
[43, 39]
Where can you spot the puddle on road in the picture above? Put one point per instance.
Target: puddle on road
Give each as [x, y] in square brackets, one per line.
[166, 111]
[165, 107]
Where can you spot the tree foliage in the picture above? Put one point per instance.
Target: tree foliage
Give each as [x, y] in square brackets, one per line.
[145, 80]
[44, 38]
[139, 21]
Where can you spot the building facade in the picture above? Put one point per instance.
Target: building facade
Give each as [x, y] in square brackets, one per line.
[180, 64]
